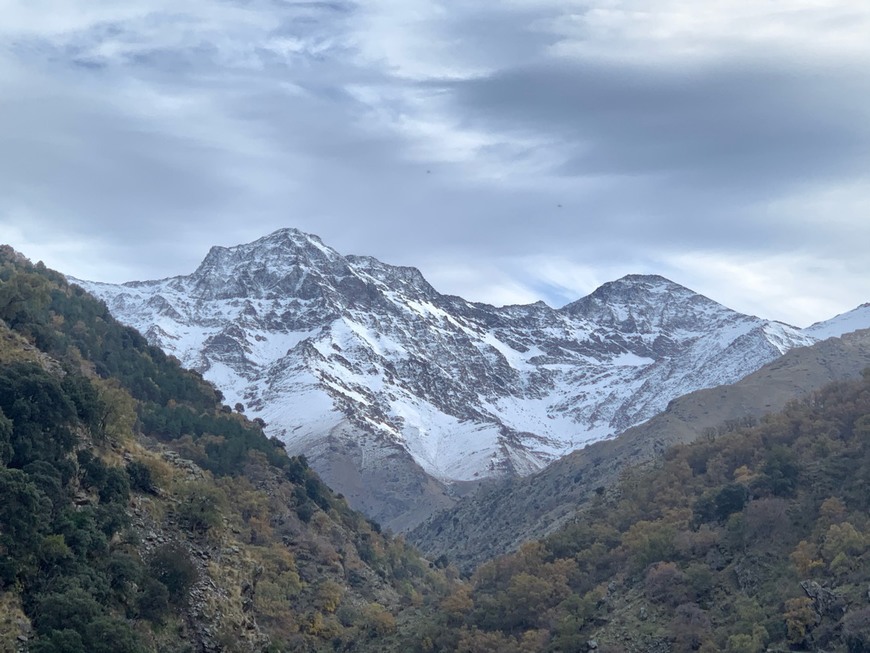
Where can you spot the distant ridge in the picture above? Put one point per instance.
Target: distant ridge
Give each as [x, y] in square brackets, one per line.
[394, 390]
[500, 518]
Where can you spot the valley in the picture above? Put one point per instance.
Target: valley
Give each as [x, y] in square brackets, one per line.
[401, 396]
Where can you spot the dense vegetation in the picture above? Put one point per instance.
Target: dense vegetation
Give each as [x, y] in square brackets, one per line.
[140, 514]
[758, 538]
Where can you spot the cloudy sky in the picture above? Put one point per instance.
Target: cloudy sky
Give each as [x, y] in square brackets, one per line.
[513, 151]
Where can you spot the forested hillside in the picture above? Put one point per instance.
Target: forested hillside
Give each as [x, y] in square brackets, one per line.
[755, 540]
[140, 514]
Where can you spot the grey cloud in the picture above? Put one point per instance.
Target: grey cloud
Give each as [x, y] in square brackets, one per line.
[682, 157]
[625, 163]
[80, 159]
[738, 123]
[501, 39]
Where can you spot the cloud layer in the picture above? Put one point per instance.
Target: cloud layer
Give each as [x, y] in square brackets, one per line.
[522, 151]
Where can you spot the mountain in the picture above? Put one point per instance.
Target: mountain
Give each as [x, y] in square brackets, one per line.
[501, 517]
[857, 318]
[753, 540]
[139, 516]
[398, 394]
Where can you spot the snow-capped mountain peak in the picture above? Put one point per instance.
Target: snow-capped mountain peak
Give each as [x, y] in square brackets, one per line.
[646, 303]
[317, 343]
[857, 318]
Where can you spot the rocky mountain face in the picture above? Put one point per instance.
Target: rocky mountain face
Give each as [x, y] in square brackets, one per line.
[501, 516]
[398, 394]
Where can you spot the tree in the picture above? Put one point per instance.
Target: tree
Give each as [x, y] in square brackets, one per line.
[40, 411]
[24, 300]
[690, 627]
[110, 635]
[476, 641]
[856, 631]
[378, 620]
[843, 539]
[800, 617]
[780, 472]
[806, 558]
[59, 641]
[153, 600]
[665, 583]
[54, 554]
[5, 439]
[116, 487]
[117, 412]
[140, 477]
[328, 596]
[647, 542]
[200, 508]
[73, 609]
[20, 511]
[458, 604]
[170, 564]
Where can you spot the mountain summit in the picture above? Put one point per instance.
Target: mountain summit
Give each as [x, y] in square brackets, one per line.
[391, 388]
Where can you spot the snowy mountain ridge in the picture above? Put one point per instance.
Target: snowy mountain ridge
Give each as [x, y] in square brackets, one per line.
[312, 341]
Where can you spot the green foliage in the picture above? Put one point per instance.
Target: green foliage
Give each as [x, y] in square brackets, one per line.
[223, 441]
[54, 555]
[24, 299]
[20, 523]
[200, 507]
[41, 413]
[153, 602]
[170, 565]
[5, 438]
[93, 470]
[59, 641]
[71, 622]
[124, 570]
[780, 471]
[111, 635]
[116, 487]
[721, 504]
[111, 483]
[86, 400]
[710, 546]
[73, 609]
[856, 631]
[140, 477]
[70, 325]
[73, 402]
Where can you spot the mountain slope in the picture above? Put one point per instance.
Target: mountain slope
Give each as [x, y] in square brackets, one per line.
[758, 540]
[501, 517]
[361, 364]
[140, 515]
[857, 318]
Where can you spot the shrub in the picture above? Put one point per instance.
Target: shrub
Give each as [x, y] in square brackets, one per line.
[116, 487]
[73, 609]
[200, 507]
[856, 631]
[171, 565]
[153, 600]
[665, 583]
[140, 477]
